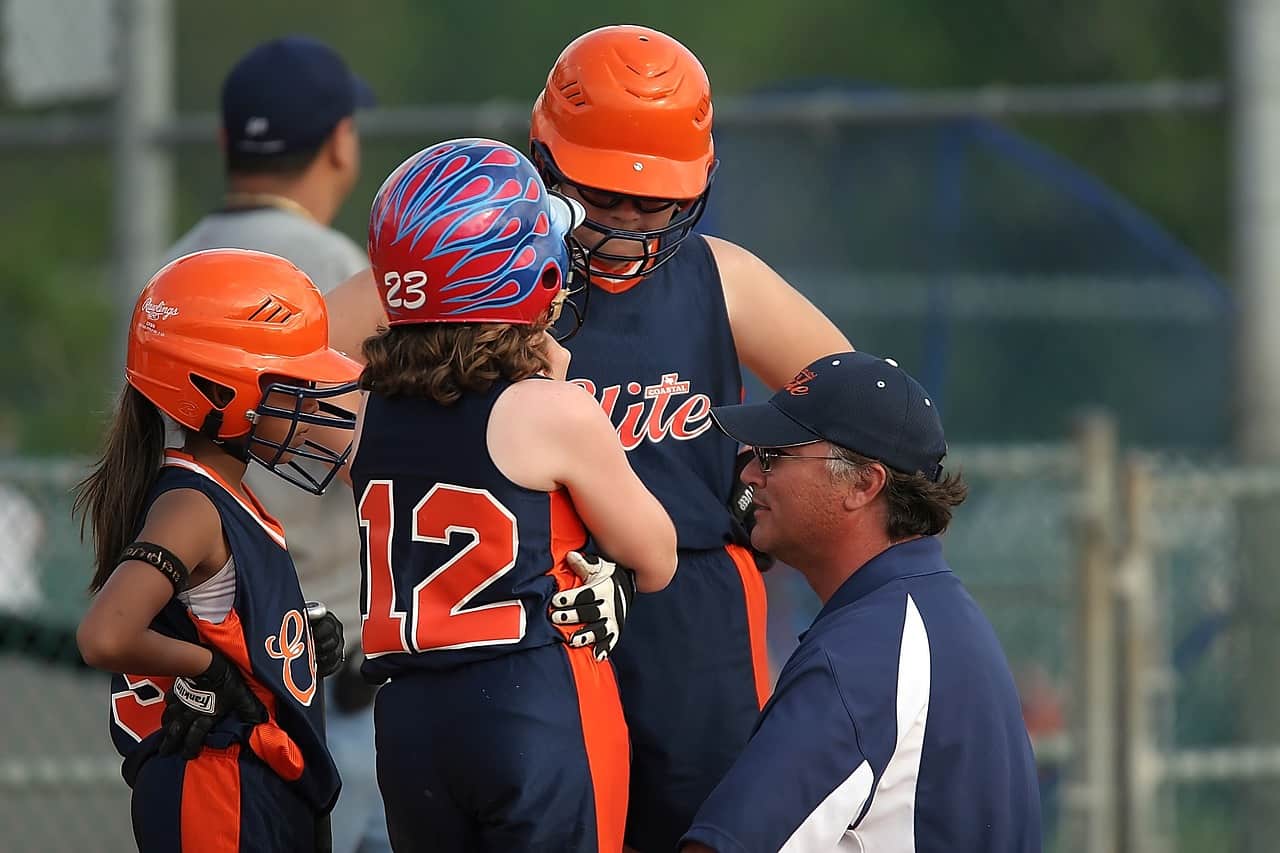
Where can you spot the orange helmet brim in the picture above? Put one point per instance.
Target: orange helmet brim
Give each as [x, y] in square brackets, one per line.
[324, 367]
[628, 172]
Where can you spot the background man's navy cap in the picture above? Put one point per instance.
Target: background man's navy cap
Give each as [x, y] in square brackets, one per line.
[856, 400]
[287, 95]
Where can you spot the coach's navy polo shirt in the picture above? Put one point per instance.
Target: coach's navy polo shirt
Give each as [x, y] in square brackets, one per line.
[895, 726]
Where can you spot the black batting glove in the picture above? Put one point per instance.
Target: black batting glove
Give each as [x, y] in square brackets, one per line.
[193, 706]
[351, 692]
[326, 633]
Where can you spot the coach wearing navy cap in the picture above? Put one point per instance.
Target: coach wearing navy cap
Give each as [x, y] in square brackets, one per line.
[895, 725]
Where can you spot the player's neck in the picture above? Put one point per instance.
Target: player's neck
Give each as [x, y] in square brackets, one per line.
[216, 459]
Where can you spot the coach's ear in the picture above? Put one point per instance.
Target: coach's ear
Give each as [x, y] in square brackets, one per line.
[866, 487]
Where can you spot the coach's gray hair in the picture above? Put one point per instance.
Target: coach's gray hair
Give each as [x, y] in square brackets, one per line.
[917, 505]
[845, 466]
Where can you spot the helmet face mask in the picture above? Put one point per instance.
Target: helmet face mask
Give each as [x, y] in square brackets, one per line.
[307, 464]
[575, 292]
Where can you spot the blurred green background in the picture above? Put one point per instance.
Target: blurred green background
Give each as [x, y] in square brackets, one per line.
[1022, 269]
[54, 214]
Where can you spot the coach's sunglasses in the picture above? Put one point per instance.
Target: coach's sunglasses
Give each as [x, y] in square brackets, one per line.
[766, 456]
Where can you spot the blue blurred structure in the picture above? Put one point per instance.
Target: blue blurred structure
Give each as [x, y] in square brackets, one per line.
[1015, 285]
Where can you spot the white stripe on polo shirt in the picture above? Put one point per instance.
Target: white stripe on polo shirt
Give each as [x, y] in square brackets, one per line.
[847, 799]
[889, 824]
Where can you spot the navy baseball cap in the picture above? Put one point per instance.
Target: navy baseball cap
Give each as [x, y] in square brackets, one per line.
[855, 400]
[287, 95]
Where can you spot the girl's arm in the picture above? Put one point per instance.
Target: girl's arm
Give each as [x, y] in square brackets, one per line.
[115, 633]
[776, 330]
[544, 435]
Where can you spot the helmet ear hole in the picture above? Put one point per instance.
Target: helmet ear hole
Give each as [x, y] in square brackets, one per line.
[218, 395]
[551, 279]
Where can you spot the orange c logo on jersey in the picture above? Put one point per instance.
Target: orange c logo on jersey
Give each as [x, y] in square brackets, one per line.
[294, 640]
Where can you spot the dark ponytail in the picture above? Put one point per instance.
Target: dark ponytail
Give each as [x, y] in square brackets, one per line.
[110, 499]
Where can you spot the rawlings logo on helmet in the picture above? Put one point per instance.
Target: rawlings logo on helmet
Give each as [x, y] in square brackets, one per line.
[465, 231]
[158, 310]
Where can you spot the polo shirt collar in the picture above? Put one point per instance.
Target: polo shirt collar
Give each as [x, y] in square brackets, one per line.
[921, 556]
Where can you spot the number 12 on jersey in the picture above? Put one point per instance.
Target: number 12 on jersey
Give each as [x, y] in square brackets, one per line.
[437, 615]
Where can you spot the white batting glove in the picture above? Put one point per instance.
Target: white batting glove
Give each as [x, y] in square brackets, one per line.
[600, 605]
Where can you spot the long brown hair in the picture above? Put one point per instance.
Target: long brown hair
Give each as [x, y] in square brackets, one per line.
[442, 361]
[111, 498]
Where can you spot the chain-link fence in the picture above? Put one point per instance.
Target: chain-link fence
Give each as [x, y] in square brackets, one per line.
[60, 787]
[1199, 598]
[1135, 600]
[1013, 283]
[60, 784]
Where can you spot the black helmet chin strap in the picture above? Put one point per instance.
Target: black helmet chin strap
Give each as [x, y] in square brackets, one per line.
[212, 426]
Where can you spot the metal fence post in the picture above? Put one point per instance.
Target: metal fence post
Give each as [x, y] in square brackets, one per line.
[1138, 765]
[1091, 795]
[142, 191]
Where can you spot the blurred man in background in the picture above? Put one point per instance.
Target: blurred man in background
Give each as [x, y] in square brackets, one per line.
[292, 157]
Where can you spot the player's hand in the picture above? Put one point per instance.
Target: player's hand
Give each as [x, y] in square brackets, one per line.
[193, 706]
[557, 355]
[326, 633]
[351, 692]
[600, 605]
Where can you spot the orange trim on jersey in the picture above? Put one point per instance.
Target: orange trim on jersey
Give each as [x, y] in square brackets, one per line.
[279, 751]
[567, 533]
[600, 270]
[757, 616]
[210, 810]
[138, 717]
[604, 734]
[613, 285]
[270, 742]
[248, 500]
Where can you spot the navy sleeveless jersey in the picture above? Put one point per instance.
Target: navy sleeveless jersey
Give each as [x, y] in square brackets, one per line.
[459, 563]
[658, 356]
[265, 634]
